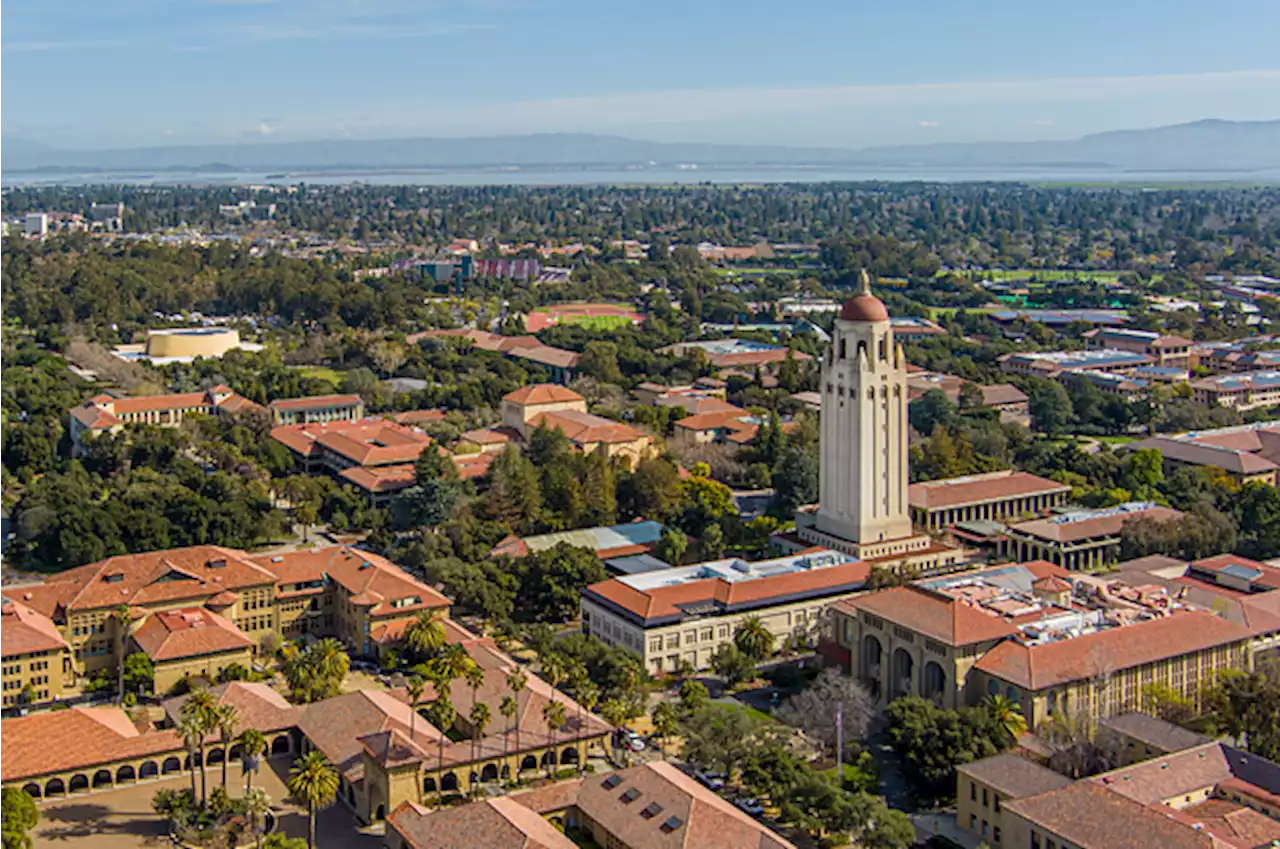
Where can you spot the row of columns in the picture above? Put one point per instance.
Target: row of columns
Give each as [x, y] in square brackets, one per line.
[1077, 559]
[938, 520]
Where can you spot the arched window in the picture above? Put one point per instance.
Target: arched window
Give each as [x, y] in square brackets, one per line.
[862, 349]
[883, 350]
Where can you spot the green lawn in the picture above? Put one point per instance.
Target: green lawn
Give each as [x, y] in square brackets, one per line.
[322, 373]
[599, 322]
[1047, 274]
[1117, 440]
[748, 710]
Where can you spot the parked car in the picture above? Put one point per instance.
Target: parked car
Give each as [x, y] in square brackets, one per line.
[750, 806]
[712, 780]
[632, 740]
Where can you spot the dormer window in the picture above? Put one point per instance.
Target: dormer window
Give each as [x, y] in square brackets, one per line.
[220, 563]
[114, 577]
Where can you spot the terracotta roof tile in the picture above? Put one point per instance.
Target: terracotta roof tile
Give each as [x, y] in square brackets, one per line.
[78, 738]
[1049, 664]
[24, 631]
[1109, 525]
[1014, 776]
[500, 822]
[258, 705]
[587, 429]
[316, 402]
[944, 619]
[977, 489]
[188, 632]
[543, 393]
[1091, 817]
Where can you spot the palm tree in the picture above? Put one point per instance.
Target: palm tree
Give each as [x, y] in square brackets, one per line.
[201, 708]
[588, 696]
[191, 730]
[1008, 714]
[415, 687]
[474, 676]
[553, 716]
[480, 717]
[508, 709]
[425, 635]
[252, 744]
[753, 638]
[331, 664]
[313, 781]
[442, 715]
[553, 670]
[665, 723]
[121, 614]
[517, 681]
[256, 805]
[226, 719]
[615, 713]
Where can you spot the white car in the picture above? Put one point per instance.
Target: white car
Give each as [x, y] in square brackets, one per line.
[633, 741]
[750, 806]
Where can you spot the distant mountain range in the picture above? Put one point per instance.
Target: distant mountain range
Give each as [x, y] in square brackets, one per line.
[1209, 145]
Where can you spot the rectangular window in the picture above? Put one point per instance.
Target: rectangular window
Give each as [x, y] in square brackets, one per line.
[973, 792]
[985, 801]
[973, 822]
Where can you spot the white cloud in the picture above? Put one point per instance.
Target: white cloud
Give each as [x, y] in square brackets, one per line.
[928, 124]
[262, 128]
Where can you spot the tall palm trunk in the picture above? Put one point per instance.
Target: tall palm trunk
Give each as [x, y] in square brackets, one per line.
[192, 755]
[224, 766]
[204, 787]
[311, 825]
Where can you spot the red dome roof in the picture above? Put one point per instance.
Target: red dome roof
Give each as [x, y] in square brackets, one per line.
[864, 308]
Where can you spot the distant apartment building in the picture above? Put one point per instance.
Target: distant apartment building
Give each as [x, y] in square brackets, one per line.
[1005, 398]
[36, 225]
[109, 215]
[607, 542]
[108, 414]
[1240, 391]
[317, 408]
[684, 615]
[1079, 539]
[1060, 318]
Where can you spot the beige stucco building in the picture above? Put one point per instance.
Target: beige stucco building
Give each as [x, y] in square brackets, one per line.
[676, 616]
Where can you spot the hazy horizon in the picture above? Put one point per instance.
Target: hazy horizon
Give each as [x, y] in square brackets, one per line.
[146, 73]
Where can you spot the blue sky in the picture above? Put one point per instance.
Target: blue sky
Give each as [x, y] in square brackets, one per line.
[106, 73]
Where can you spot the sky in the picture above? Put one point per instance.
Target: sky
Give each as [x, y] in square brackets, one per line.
[849, 73]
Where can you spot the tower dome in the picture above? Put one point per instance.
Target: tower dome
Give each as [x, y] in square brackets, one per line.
[864, 306]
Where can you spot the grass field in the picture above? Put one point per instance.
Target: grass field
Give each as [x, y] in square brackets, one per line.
[1043, 274]
[322, 373]
[598, 322]
[734, 271]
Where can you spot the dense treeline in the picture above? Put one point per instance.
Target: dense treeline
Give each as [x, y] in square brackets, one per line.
[961, 224]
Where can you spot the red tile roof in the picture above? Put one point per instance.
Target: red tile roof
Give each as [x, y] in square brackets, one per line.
[501, 822]
[978, 489]
[586, 428]
[315, 402]
[79, 738]
[256, 703]
[543, 393]
[1102, 526]
[366, 442]
[188, 632]
[1091, 817]
[1037, 667]
[358, 572]
[24, 631]
[666, 600]
[936, 616]
[417, 417]
[381, 478]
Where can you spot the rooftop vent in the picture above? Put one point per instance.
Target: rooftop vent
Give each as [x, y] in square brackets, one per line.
[611, 781]
[277, 559]
[220, 563]
[114, 577]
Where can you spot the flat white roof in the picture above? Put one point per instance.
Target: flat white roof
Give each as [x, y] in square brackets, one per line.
[735, 570]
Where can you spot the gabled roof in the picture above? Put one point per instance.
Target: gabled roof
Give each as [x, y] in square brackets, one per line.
[1091, 817]
[24, 631]
[359, 572]
[542, 393]
[175, 574]
[188, 632]
[685, 815]
[258, 705]
[976, 489]
[936, 616]
[1036, 667]
[391, 749]
[501, 822]
[586, 428]
[1013, 776]
[64, 740]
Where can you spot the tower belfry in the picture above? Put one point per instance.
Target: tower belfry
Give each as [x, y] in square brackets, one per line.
[863, 475]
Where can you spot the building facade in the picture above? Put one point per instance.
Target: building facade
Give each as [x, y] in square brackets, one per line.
[673, 617]
[320, 408]
[1079, 539]
[995, 496]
